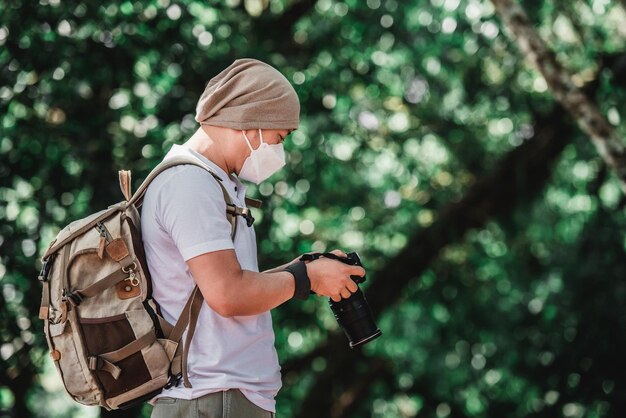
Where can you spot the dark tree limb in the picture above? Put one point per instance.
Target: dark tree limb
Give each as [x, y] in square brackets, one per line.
[519, 176]
[516, 179]
[19, 378]
[346, 404]
[583, 109]
[513, 183]
[293, 14]
[282, 27]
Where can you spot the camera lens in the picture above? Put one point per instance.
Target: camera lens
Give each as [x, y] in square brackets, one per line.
[355, 318]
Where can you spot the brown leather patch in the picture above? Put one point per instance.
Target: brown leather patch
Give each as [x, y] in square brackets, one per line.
[64, 311]
[56, 355]
[101, 245]
[117, 249]
[125, 290]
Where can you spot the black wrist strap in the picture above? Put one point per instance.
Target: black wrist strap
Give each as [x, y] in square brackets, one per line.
[302, 282]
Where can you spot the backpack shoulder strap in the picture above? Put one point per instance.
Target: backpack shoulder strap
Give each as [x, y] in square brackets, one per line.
[255, 203]
[189, 317]
[137, 198]
[191, 311]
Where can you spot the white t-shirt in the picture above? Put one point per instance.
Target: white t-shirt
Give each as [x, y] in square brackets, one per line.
[183, 216]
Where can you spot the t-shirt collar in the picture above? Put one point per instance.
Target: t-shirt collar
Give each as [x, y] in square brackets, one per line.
[232, 181]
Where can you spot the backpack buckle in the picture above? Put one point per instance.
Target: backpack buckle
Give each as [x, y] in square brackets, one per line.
[174, 380]
[94, 363]
[243, 212]
[247, 215]
[74, 299]
[45, 268]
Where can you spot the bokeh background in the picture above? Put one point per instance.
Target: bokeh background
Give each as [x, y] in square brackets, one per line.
[491, 228]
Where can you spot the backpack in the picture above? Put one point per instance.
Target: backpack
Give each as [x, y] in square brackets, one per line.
[105, 333]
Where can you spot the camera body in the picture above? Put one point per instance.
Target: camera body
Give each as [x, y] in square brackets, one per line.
[354, 314]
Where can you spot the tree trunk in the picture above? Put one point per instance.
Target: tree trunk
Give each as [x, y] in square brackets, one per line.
[584, 111]
[21, 383]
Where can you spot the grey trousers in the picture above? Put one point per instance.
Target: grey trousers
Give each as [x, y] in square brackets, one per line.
[229, 404]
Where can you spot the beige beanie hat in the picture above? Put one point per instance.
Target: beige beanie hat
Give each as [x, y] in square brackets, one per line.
[249, 94]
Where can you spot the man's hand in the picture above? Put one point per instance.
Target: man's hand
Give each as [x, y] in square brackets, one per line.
[332, 278]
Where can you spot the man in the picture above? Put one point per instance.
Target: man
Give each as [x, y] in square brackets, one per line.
[245, 112]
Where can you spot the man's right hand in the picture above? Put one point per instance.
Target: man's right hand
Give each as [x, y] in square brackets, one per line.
[332, 278]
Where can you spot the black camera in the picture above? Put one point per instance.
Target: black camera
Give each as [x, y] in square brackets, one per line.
[353, 314]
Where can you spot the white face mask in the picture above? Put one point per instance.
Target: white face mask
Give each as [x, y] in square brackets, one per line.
[263, 161]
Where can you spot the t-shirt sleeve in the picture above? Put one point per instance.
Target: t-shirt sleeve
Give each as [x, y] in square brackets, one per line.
[192, 210]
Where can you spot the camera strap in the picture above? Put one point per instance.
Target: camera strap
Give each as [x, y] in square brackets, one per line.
[315, 256]
[346, 260]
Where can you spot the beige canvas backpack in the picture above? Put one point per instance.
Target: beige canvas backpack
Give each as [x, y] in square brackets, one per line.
[106, 336]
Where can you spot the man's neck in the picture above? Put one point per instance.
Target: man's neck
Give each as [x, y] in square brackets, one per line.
[209, 148]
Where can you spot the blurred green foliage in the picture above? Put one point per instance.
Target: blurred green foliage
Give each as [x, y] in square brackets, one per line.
[405, 106]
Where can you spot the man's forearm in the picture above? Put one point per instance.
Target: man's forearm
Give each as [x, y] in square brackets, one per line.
[254, 293]
[231, 291]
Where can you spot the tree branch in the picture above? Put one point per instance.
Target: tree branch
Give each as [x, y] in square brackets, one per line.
[349, 400]
[584, 111]
[283, 25]
[515, 181]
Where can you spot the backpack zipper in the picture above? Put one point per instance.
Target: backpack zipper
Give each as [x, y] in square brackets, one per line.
[104, 232]
[105, 238]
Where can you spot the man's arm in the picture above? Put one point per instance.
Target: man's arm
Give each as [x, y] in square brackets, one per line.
[231, 291]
